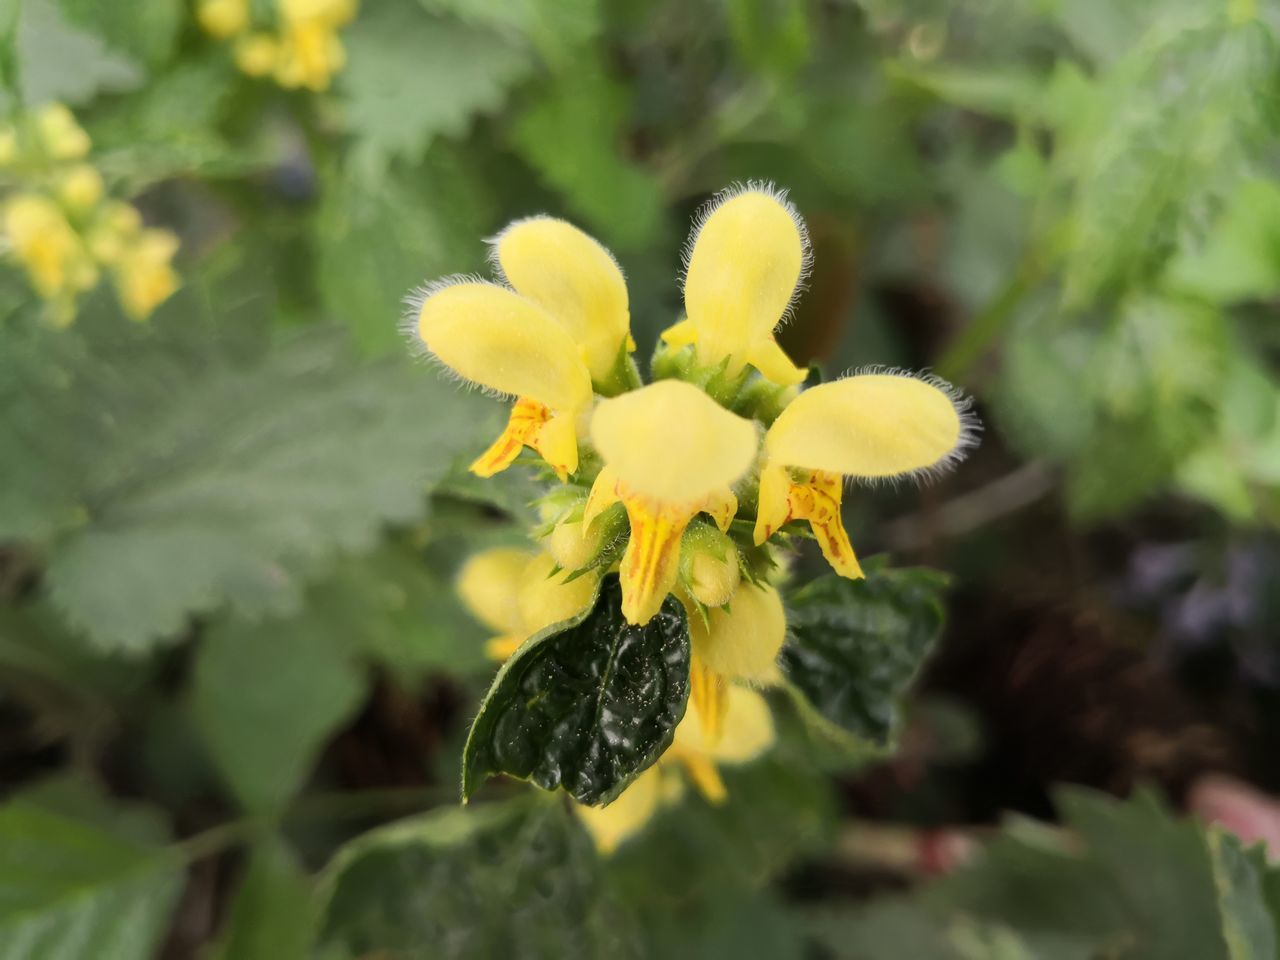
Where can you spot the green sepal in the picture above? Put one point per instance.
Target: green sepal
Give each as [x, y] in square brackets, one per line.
[584, 705]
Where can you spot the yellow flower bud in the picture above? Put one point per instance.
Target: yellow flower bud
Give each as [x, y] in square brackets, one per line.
[114, 228]
[742, 640]
[60, 135]
[257, 55]
[50, 250]
[223, 18]
[80, 189]
[709, 564]
[144, 278]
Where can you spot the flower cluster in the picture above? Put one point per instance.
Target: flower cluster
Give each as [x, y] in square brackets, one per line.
[299, 48]
[688, 485]
[64, 230]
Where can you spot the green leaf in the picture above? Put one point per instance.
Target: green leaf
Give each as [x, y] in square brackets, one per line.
[1240, 258]
[779, 809]
[770, 35]
[517, 880]
[170, 127]
[1154, 147]
[267, 696]
[1155, 378]
[273, 915]
[573, 134]
[71, 889]
[58, 61]
[854, 646]
[411, 78]
[558, 28]
[146, 31]
[378, 240]
[169, 472]
[586, 706]
[1161, 887]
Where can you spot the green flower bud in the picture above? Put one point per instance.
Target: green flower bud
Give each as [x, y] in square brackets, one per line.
[709, 564]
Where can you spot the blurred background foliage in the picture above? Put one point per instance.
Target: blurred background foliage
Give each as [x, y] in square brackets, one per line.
[230, 658]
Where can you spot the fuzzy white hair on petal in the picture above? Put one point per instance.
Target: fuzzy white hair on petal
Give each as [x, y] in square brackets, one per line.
[413, 302]
[769, 189]
[492, 242]
[970, 427]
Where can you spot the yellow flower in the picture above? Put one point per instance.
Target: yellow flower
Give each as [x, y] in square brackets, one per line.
[540, 342]
[81, 188]
[257, 54]
[746, 261]
[745, 732]
[223, 18]
[574, 279]
[670, 452]
[516, 593]
[60, 136]
[741, 640]
[50, 250]
[873, 426]
[310, 52]
[143, 275]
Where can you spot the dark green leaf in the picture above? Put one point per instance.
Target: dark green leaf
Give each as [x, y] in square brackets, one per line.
[855, 645]
[585, 706]
[70, 889]
[518, 880]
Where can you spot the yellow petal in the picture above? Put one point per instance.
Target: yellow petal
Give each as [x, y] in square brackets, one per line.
[704, 775]
[680, 334]
[774, 364]
[500, 340]
[872, 425]
[62, 136]
[635, 806]
[741, 641]
[748, 727]
[708, 700]
[773, 507]
[573, 278]
[807, 495]
[501, 647]
[546, 597]
[488, 583]
[672, 442]
[651, 562]
[745, 264]
[605, 492]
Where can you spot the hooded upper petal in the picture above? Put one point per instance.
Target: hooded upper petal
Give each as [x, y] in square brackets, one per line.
[672, 442]
[745, 264]
[872, 425]
[742, 640]
[494, 337]
[488, 584]
[575, 279]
